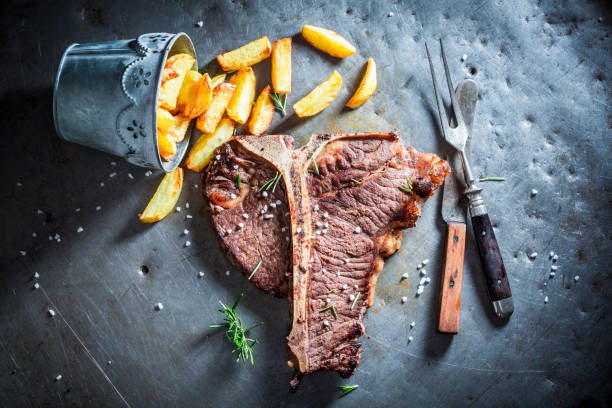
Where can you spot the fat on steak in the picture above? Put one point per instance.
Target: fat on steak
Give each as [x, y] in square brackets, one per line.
[322, 234]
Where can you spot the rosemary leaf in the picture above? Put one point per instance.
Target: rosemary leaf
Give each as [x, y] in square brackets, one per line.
[238, 181]
[355, 300]
[316, 168]
[334, 311]
[326, 308]
[492, 179]
[408, 190]
[279, 105]
[356, 181]
[255, 270]
[409, 183]
[278, 177]
[331, 291]
[347, 388]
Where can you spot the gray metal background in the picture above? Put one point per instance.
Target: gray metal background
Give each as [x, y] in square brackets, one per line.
[543, 122]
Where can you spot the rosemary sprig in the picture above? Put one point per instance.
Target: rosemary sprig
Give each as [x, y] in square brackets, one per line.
[406, 189]
[316, 168]
[492, 179]
[333, 309]
[356, 181]
[279, 105]
[278, 177]
[268, 183]
[255, 270]
[238, 181]
[331, 291]
[236, 333]
[355, 300]
[347, 388]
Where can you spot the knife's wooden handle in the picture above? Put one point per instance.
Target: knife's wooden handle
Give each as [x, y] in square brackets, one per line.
[492, 263]
[452, 276]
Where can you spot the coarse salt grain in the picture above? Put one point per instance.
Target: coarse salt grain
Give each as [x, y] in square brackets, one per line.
[98, 208]
[391, 14]
[427, 280]
[185, 231]
[278, 202]
[555, 258]
[533, 255]
[78, 209]
[357, 230]
[551, 254]
[412, 324]
[39, 212]
[356, 286]
[299, 229]
[200, 274]
[325, 323]
[347, 260]
[264, 194]
[148, 173]
[420, 289]
[80, 229]
[423, 272]
[159, 306]
[345, 286]
[227, 273]
[576, 278]
[405, 275]
[51, 312]
[351, 297]
[546, 299]
[553, 267]
[326, 225]
[58, 378]
[283, 229]
[189, 216]
[273, 205]
[534, 192]
[240, 225]
[102, 184]
[324, 231]
[425, 261]
[113, 174]
[178, 209]
[235, 167]
[484, 233]
[328, 300]
[325, 215]
[233, 196]
[422, 281]
[316, 207]
[218, 157]
[264, 209]
[187, 243]
[419, 266]
[410, 338]
[404, 299]
[36, 285]
[552, 274]
[36, 275]
[287, 239]
[130, 176]
[318, 232]
[186, 205]
[23, 253]
[268, 216]
[245, 216]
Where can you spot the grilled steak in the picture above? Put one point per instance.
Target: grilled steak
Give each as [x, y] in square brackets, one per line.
[346, 212]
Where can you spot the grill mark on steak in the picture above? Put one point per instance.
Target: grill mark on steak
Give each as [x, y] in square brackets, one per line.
[324, 256]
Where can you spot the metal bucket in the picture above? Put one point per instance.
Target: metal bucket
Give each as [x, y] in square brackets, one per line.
[105, 96]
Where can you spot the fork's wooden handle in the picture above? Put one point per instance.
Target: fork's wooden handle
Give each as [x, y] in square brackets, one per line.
[452, 276]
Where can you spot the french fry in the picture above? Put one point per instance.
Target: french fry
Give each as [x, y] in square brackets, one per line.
[263, 113]
[281, 66]
[202, 151]
[167, 146]
[328, 41]
[165, 121]
[245, 56]
[172, 127]
[320, 97]
[239, 107]
[170, 89]
[217, 79]
[165, 197]
[208, 121]
[366, 88]
[181, 123]
[195, 94]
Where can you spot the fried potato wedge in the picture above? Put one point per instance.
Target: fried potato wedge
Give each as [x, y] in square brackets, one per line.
[239, 107]
[217, 79]
[202, 151]
[281, 66]
[167, 146]
[245, 56]
[263, 113]
[180, 62]
[168, 73]
[172, 127]
[320, 97]
[195, 94]
[165, 197]
[328, 41]
[181, 124]
[208, 121]
[165, 121]
[366, 88]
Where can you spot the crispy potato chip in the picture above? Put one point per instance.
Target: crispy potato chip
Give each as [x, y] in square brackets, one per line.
[195, 94]
[217, 79]
[170, 89]
[328, 41]
[202, 151]
[208, 121]
[239, 107]
[320, 97]
[281, 66]
[366, 87]
[263, 113]
[245, 56]
[165, 197]
[167, 146]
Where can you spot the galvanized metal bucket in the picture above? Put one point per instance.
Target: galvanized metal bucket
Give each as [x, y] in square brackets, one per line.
[105, 96]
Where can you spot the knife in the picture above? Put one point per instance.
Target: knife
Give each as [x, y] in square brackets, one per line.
[454, 214]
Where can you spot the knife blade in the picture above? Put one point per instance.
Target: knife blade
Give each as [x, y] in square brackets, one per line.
[454, 209]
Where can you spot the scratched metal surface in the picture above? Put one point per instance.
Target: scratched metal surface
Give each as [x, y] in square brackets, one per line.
[543, 121]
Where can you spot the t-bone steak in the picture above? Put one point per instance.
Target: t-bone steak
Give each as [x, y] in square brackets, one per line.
[320, 234]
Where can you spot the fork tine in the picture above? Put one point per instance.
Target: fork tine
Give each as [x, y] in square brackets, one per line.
[441, 111]
[451, 89]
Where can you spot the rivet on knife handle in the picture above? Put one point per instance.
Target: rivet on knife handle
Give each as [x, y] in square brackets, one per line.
[452, 277]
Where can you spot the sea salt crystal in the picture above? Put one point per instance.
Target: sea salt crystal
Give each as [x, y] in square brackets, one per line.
[324, 231]
[200, 274]
[80, 229]
[347, 260]
[356, 286]
[178, 209]
[551, 254]
[23, 253]
[464, 57]
[427, 280]
[36, 285]
[316, 207]
[102, 184]
[287, 239]
[265, 194]
[325, 215]
[286, 214]
[357, 230]
[555, 258]
[422, 281]
[534, 192]
[391, 14]
[420, 289]
[484, 233]
[278, 202]
[159, 306]
[233, 196]
[39, 212]
[318, 232]
[227, 273]
[273, 205]
[576, 278]
[51, 312]
[264, 209]
[351, 297]
[187, 244]
[299, 229]
[36, 275]
[268, 216]
[245, 216]
[546, 299]
[283, 229]
[235, 167]
[185, 231]
[19, 184]
[419, 266]
[326, 225]
[328, 300]
[98, 208]
[130, 176]
[77, 209]
[113, 174]
[58, 378]
[412, 324]
[240, 225]
[554, 267]
[345, 286]
[410, 338]
[425, 261]
[404, 299]
[423, 272]
[148, 173]
[325, 323]
[552, 274]
[533, 255]
[218, 157]
[405, 275]
[189, 216]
